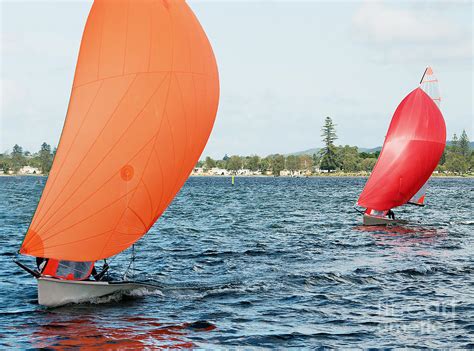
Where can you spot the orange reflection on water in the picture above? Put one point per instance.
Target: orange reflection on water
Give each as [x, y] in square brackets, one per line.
[131, 333]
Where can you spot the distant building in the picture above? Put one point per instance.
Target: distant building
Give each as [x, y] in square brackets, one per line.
[218, 171]
[29, 170]
[198, 171]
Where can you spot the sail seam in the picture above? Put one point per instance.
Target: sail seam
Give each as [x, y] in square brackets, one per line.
[87, 153]
[110, 150]
[156, 134]
[99, 188]
[59, 167]
[126, 39]
[140, 73]
[86, 218]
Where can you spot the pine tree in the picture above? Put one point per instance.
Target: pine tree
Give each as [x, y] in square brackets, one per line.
[463, 144]
[455, 143]
[46, 158]
[328, 153]
[18, 160]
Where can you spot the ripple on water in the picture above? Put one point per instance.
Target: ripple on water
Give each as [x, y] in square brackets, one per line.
[267, 263]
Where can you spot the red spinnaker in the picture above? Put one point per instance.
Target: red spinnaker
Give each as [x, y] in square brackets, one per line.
[413, 146]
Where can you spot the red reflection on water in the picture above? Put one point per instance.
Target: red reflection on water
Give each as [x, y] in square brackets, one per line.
[130, 334]
[404, 237]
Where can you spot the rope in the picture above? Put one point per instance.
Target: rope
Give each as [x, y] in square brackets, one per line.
[131, 265]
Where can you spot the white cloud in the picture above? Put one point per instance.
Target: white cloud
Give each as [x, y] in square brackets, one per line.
[401, 33]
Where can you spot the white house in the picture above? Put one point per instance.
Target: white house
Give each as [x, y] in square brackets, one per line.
[29, 170]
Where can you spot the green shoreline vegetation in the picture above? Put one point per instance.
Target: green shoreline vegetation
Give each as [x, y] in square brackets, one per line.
[331, 160]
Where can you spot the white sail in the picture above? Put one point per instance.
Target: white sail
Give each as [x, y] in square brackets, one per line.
[429, 84]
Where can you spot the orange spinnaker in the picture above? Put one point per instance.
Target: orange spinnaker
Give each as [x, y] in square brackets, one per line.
[143, 103]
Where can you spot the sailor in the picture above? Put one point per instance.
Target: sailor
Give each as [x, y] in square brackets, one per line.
[41, 263]
[391, 214]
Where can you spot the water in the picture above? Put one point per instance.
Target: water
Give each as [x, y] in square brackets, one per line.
[266, 263]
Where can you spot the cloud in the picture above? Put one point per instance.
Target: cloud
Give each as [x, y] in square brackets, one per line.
[401, 33]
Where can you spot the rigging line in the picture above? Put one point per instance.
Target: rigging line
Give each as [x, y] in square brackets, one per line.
[109, 151]
[421, 80]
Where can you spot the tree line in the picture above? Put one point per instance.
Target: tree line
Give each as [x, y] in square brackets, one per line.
[457, 158]
[17, 158]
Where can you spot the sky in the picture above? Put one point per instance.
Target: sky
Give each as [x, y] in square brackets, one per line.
[284, 66]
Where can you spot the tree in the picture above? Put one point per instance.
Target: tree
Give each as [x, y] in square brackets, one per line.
[442, 160]
[209, 163]
[234, 163]
[265, 164]
[456, 163]
[463, 144]
[306, 162]
[328, 153]
[292, 163]
[316, 159]
[18, 160]
[277, 164]
[368, 164]
[46, 158]
[348, 158]
[252, 163]
[454, 143]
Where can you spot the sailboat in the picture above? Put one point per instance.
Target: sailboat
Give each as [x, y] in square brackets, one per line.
[413, 146]
[143, 103]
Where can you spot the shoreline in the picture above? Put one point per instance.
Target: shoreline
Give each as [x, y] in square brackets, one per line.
[322, 175]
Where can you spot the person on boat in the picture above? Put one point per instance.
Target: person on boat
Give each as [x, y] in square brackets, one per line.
[391, 214]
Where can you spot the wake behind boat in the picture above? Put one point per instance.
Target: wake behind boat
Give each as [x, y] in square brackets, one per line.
[413, 146]
[142, 106]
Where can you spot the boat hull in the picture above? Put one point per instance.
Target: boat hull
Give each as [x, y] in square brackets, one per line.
[55, 292]
[374, 220]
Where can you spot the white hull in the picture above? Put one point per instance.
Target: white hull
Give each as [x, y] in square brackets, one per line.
[56, 292]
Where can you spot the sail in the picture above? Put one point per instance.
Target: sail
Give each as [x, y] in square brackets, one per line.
[413, 146]
[429, 84]
[419, 197]
[142, 106]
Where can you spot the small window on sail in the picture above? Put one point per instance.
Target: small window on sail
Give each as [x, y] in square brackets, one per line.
[377, 213]
[76, 270]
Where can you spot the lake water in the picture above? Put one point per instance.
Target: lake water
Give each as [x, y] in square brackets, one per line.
[270, 262]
